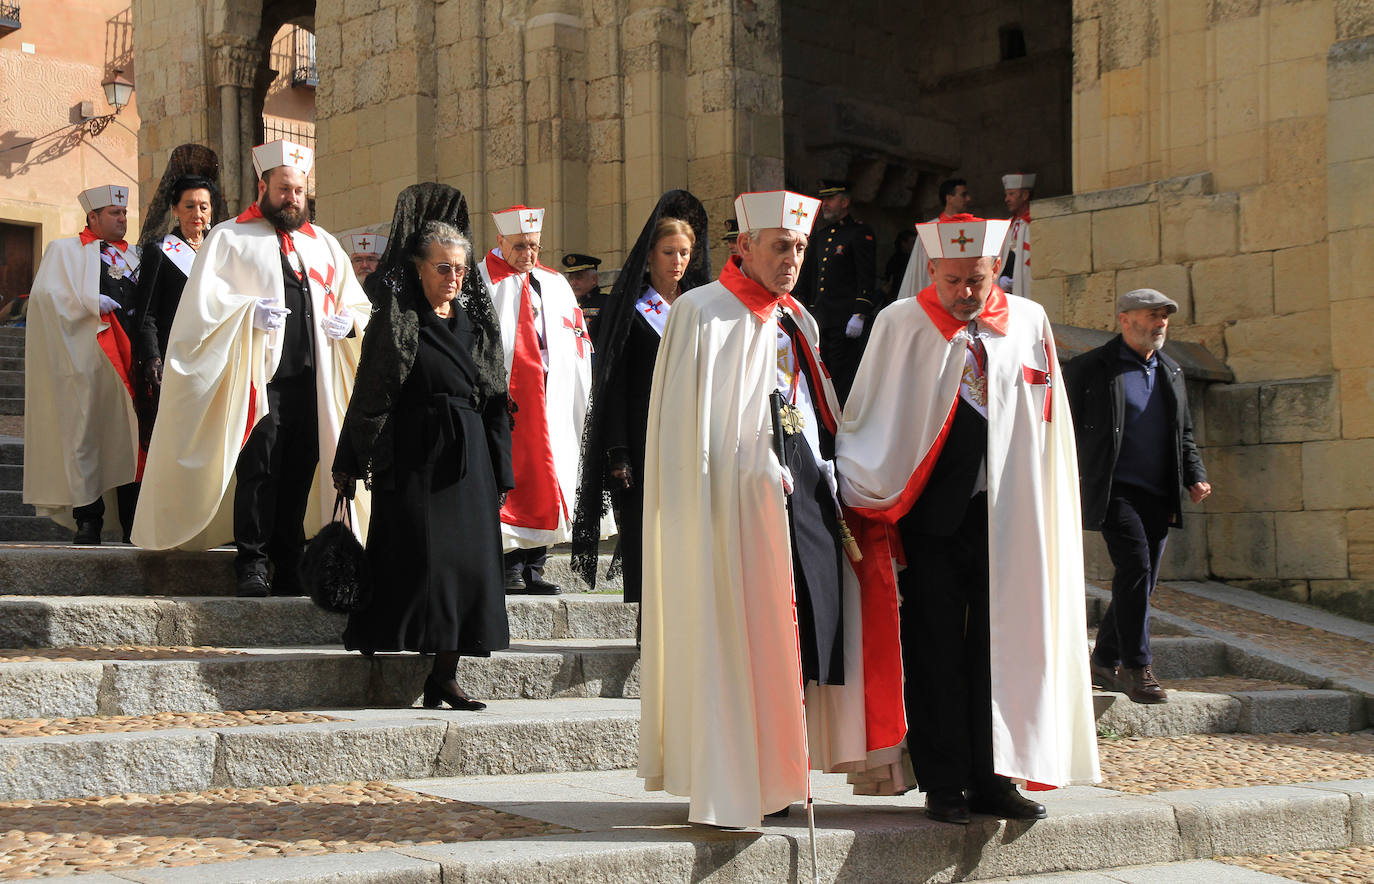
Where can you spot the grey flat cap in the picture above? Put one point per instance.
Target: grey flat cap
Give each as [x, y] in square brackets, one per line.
[1145, 299]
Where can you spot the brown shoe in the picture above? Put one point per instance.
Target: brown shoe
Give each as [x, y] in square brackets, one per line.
[1104, 678]
[1140, 685]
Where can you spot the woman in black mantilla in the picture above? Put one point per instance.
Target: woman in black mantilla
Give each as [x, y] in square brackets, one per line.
[188, 193]
[429, 430]
[670, 257]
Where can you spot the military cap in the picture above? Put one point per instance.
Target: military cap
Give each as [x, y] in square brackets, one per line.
[832, 186]
[731, 230]
[573, 262]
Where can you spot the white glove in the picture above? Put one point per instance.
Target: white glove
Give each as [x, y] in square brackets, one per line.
[108, 305]
[855, 326]
[1004, 283]
[269, 314]
[338, 325]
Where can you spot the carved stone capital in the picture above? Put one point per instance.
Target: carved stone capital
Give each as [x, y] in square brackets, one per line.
[235, 60]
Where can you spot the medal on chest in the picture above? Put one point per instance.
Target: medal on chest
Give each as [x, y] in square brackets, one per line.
[114, 271]
[791, 418]
[976, 384]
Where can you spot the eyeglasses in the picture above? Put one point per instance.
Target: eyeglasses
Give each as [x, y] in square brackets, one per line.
[446, 269]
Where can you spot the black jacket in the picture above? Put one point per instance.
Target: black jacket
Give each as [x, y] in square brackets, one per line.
[839, 276]
[1097, 399]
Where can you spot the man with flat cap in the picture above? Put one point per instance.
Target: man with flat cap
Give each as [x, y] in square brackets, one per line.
[581, 273]
[364, 252]
[840, 282]
[78, 402]
[259, 370]
[548, 367]
[957, 435]
[1016, 255]
[1136, 455]
[731, 237]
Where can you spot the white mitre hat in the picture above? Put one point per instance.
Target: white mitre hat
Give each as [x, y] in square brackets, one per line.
[963, 237]
[102, 196]
[282, 153]
[364, 243]
[517, 220]
[776, 208]
[1018, 181]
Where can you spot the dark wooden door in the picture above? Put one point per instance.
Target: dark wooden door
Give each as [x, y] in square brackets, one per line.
[16, 261]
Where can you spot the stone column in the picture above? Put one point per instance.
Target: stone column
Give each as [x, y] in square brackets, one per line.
[235, 61]
[555, 80]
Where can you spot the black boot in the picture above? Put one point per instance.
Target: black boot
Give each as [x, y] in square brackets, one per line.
[87, 533]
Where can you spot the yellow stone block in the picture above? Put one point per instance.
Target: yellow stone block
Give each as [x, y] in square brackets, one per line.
[1194, 227]
[1359, 533]
[1234, 287]
[1171, 279]
[1285, 213]
[1241, 545]
[1237, 104]
[1089, 165]
[1125, 91]
[1125, 237]
[1338, 475]
[1087, 114]
[1300, 30]
[1311, 544]
[1269, 348]
[1300, 278]
[1187, 60]
[1352, 263]
[1240, 160]
[1350, 189]
[1125, 147]
[1049, 293]
[1250, 478]
[1235, 45]
[1187, 117]
[1185, 15]
[1063, 245]
[1297, 88]
[1351, 347]
[1296, 148]
[1350, 129]
[1357, 403]
[1090, 300]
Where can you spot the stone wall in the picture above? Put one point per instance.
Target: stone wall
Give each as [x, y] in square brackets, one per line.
[1234, 143]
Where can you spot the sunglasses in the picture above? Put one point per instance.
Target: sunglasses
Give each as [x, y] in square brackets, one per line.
[446, 269]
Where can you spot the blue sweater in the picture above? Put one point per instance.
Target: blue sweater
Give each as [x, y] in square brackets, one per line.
[1145, 460]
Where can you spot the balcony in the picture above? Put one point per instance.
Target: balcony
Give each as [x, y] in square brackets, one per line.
[9, 17]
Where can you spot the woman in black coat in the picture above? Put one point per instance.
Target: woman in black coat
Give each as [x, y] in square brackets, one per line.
[428, 427]
[669, 258]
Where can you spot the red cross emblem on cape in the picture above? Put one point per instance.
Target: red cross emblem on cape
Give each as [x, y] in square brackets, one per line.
[578, 332]
[1036, 377]
[326, 283]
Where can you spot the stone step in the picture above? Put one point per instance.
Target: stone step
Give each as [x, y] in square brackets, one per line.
[1238, 711]
[59, 569]
[510, 737]
[11, 333]
[211, 680]
[12, 504]
[12, 363]
[32, 529]
[11, 477]
[12, 377]
[11, 450]
[12, 405]
[69, 621]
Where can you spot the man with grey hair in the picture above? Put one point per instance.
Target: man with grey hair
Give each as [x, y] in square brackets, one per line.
[1135, 455]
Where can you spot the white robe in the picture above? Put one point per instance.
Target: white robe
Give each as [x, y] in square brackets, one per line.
[1018, 238]
[215, 376]
[1043, 723]
[721, 710]
[568, 384]
[917, 276]
[80, 431]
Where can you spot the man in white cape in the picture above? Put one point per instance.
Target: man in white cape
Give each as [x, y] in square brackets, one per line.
[955, 196]
[722, 717]
[80, 430]
[548, 366]
[957, 436]
[1016, 250]
[256, 380]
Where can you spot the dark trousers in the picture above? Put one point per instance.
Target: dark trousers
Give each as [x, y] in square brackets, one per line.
[946, 651]
[841, 356]
[275, 471]
[1135, 529]
[527, 564]
[127, 496]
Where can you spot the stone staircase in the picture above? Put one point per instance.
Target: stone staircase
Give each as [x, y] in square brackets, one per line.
[11, 370]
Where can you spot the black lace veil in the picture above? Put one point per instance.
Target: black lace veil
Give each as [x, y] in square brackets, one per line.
[393, 331]
[186, 161]
[593, 494]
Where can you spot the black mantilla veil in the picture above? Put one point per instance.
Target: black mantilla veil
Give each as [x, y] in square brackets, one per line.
[186, 161]
[393, 331]
[593, 493]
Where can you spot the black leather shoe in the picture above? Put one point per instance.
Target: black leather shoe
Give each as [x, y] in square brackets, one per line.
[1103, 677]
[947, 806]
[1142, 687]
[253, 585]
[540, 586]
[87, 534]
[515, 584]
[437, 692]
[1008, 805]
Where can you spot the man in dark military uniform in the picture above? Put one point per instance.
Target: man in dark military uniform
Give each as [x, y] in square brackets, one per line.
[839, 283]
[581, 273]
[731, 237]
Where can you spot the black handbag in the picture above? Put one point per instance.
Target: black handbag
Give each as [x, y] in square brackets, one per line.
[334, 567]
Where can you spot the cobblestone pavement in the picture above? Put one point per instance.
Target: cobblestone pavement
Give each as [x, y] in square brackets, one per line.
[109, 724]
[1353, 865]
[1225, 684]
[46, 838]
[1210, 761]
[112, 652]
[1337, 652]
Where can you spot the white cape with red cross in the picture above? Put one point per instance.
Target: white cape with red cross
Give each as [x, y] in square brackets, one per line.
[215, 376]
[890, 439]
